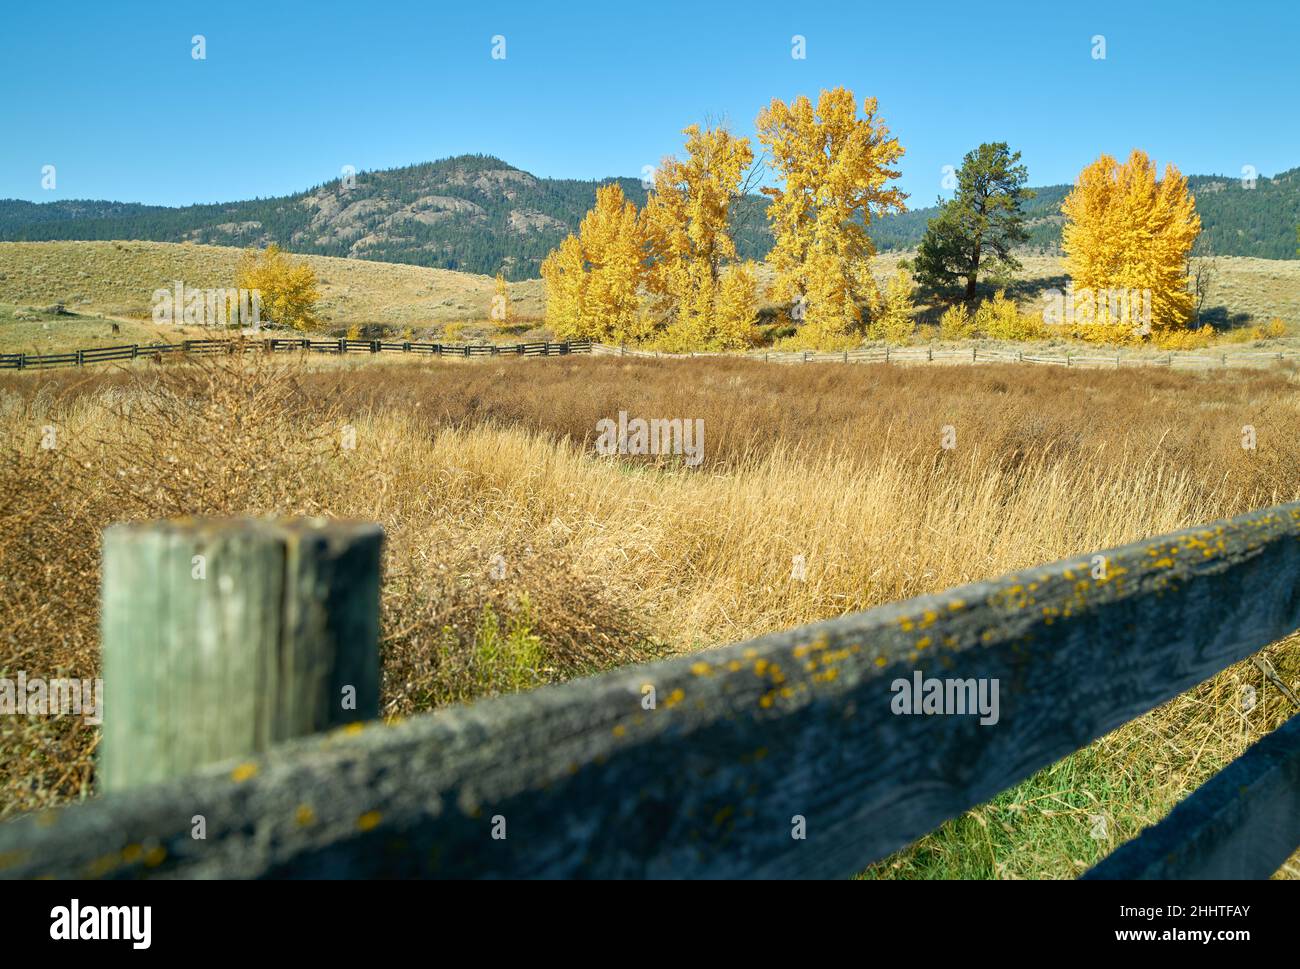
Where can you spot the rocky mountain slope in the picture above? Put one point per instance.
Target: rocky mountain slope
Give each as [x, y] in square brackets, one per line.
[476, 213]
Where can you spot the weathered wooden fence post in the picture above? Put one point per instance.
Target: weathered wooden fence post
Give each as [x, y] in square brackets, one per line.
[222, 637]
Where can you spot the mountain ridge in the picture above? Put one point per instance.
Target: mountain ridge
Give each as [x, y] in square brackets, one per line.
[478, 213]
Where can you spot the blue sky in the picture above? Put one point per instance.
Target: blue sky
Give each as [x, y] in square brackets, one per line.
[289, 93]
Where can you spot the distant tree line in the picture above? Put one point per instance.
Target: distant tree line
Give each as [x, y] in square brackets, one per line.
[1236, 219]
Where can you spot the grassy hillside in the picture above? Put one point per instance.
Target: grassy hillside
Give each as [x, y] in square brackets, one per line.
[118, 279]
[27, 329]
[476, 213]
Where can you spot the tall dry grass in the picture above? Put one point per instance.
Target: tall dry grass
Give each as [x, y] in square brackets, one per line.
[614, 560]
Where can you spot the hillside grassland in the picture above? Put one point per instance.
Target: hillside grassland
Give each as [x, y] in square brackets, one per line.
[45, 329]
[118, 279]
[100, 283]
[612, 560]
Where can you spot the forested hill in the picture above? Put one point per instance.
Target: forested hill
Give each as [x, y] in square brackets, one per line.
[1235, 220]
[476, 213]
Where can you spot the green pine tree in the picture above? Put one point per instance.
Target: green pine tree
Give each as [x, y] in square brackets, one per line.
[977, 229]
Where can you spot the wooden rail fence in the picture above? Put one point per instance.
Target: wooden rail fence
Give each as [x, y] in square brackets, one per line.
[1181, 360]
[135, 351]
[1092, 359]
[782, 756]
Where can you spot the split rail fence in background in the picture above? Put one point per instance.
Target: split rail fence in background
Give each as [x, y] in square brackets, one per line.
[780, 756]
[975, 355]
[135, 351]
[1070, 358]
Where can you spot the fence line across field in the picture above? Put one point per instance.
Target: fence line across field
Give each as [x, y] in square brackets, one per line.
[787, 755]
[135, 351]
[975, 355]
[1172, 359]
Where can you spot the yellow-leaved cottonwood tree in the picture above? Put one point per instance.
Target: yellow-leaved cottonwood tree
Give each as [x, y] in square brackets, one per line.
[1127, 231]
[593, 278]
[835, 166]
[701, 298]
[893, 319]
[287, 286]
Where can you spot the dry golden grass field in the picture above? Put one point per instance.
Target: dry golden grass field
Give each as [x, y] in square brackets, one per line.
[614, 560]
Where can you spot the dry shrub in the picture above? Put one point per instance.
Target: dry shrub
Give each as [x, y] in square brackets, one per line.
[204, 439]
[233, 435]
[48, 579]
[209, 439]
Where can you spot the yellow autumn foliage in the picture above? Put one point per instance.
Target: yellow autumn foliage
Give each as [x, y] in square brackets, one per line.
[1128, 231]
[834, 167]
[699, 298]
[593, 278]
[893, 317]
[287, 286]
[1186, 339]
[1000, 319]
[956, 323]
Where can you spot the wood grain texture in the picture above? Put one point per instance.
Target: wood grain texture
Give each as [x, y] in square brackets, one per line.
[223, 637]
[1242, 823]
[742, 741]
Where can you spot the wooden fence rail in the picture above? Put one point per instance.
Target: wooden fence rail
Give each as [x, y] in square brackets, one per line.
[1091, 359]
[787, 755]
[80, 358]
[1238, 825]
[1182, 360]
